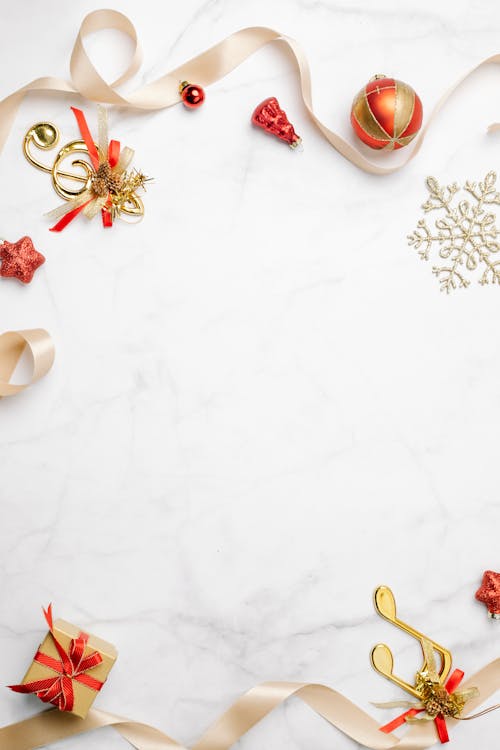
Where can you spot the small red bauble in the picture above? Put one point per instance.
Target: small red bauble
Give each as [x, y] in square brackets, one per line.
[192, 95]
[270, 117]
[489, 593]
[20, 259]
[386, 114]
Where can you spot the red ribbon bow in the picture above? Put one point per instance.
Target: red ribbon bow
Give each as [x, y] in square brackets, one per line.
[113, 157]
[450, 686]
[72, 665]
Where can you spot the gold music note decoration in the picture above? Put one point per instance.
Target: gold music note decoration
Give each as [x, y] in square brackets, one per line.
[435, 690]
[381, 656]
[104, 184]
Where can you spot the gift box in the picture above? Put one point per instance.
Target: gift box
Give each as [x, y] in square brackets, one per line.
[69, 668]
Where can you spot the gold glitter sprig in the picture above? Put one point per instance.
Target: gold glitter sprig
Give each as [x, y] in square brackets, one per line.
[123, 194]
[434, 700]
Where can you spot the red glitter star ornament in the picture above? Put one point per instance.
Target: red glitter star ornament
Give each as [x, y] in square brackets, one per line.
[20, 259]
[489, 593]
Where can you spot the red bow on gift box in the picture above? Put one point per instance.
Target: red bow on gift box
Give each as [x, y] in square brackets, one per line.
[72, 665]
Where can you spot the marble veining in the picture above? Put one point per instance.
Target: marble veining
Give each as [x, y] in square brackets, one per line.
[261, 407]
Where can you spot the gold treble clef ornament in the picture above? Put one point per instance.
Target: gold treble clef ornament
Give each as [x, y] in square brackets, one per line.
[436, 692]
[100, 173]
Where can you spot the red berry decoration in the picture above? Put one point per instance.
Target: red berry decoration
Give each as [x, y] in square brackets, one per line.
[192, 96]
[489, 593]
[270, 117]
[386, 114]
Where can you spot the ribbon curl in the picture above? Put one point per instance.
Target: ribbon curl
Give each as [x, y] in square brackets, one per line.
[52, 726]
[206, 68]
[12, 346]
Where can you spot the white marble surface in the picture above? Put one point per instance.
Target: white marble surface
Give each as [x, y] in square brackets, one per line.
[262, 407]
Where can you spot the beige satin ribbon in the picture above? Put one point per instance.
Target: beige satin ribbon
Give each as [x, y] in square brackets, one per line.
[206, 68]
[12, 346]
[52, 726]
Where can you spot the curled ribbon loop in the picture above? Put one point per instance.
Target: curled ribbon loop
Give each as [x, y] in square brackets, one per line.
[52, 726]
[206, 68]
[12, 346]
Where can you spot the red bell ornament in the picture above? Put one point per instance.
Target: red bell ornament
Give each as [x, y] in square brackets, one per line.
[192, 95]
[386, 114]
[270, 117]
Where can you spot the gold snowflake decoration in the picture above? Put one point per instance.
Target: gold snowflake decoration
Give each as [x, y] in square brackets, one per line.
[465, 235]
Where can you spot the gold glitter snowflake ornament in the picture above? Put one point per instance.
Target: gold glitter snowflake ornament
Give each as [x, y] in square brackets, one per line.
[465, 236]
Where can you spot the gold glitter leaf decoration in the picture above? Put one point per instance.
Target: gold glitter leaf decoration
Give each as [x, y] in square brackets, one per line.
[465, 235]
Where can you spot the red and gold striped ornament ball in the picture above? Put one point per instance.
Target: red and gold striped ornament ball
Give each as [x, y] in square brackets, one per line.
[386, 114]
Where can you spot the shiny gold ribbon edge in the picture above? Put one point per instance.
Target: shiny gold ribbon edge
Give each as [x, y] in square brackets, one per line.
[204, 69]
[51, 726]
